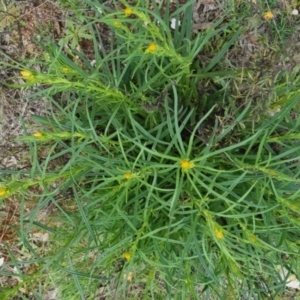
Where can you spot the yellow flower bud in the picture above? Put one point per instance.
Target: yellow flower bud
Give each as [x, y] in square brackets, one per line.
[127, 175]
[3, 191]
[27, 75]
[127, 256]
[151, 48]
[219, 234]
[128, 11]
[38, 134]
[117, 24]
[65, 70]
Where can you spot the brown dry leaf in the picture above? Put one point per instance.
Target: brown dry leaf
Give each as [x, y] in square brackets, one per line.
[51, 295]
[160, 1]
[202, 26]
[209, 7]
[40, 237]
[196, 16]
[208, 2]
[10, 14]
[248, 42]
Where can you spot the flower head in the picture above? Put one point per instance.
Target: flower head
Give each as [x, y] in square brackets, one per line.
[117, 24]
[127, 255]
[128, 11]
[151, 48]
[219, 234]
[3, 191]
[27, 75]
[268, 15]
[38, 134]
[127, 175]
[185, 164]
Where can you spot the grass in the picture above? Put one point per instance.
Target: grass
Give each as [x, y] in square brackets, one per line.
[172, 171]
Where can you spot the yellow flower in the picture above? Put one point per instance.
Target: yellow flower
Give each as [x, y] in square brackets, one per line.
[38, 134]
[117, 24]
[128, 11]
[127, 175]
[27, 75]
[151, 48]
[186, 164]
[268, 15]
[127, 256]
[219, 234]
[3, 191]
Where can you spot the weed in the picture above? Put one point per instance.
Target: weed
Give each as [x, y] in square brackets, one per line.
[174, 194]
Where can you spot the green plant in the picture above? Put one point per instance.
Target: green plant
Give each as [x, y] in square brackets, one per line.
[8, 14]
[74, 33]
[177, 192]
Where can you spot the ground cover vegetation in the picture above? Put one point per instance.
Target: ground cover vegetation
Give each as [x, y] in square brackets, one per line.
[170, 163]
